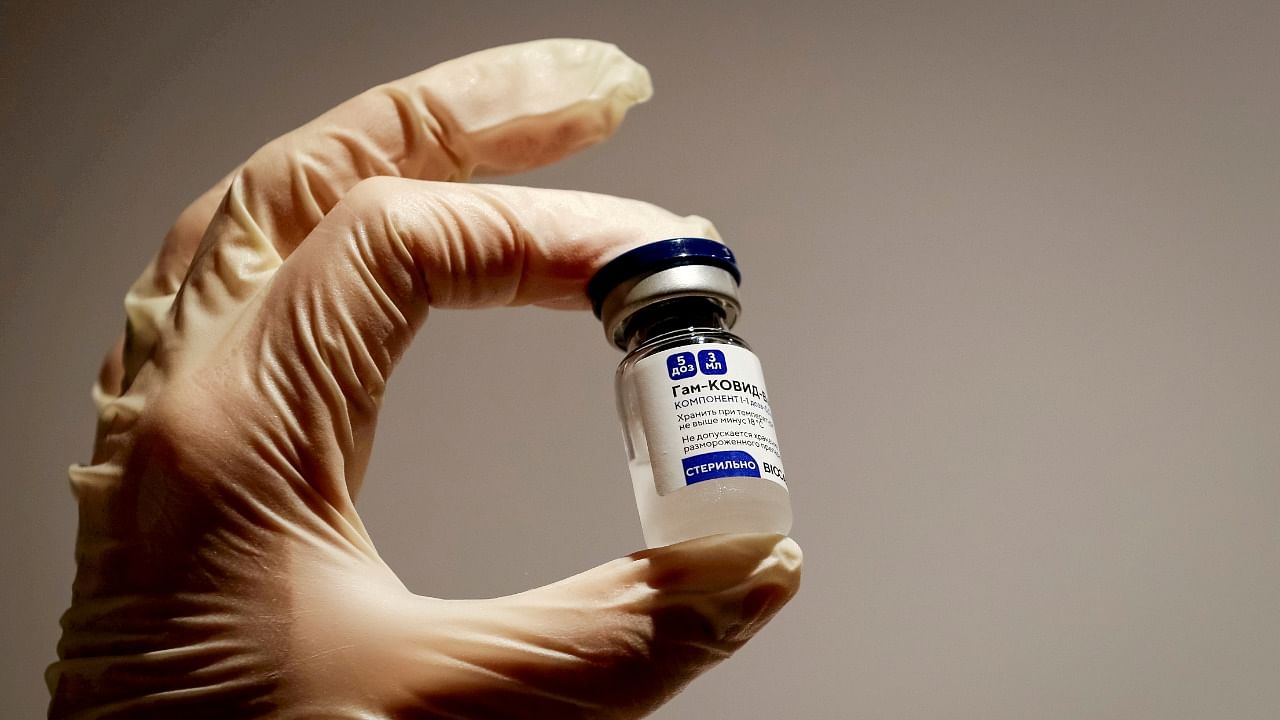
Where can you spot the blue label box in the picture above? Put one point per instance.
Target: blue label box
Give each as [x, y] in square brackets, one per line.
[712, 362]
[712, 465]
[681, 366]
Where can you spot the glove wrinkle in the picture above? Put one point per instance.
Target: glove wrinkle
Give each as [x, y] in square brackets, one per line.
[433, 145]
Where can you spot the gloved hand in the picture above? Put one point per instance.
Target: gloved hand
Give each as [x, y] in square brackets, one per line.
[222, 568]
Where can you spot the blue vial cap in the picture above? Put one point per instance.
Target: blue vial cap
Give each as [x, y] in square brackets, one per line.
[656, 256]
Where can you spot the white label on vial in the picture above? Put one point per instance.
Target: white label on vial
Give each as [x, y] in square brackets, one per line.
[706, 416]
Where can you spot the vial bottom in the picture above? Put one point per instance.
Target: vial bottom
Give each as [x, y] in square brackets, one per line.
[726, 505]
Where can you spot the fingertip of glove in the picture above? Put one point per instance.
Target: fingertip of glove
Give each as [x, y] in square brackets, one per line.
[618, 76]
[720, 562]
[639, 87]
[727, 587]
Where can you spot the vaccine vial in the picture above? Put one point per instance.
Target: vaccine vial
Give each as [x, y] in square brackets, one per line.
[696, 421]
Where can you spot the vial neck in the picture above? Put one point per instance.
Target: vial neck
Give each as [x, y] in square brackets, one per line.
[668, 316]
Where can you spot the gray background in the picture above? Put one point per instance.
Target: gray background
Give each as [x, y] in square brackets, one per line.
[1014, 270]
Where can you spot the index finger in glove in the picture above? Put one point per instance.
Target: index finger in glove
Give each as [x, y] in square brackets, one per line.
[343, 308]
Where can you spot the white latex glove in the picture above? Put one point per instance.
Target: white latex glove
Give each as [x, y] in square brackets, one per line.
[222, 569]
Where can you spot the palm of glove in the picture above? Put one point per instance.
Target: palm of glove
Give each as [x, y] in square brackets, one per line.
[222, 568]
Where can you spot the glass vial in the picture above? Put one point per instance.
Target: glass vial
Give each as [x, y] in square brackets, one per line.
[695, 414]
